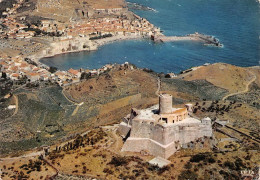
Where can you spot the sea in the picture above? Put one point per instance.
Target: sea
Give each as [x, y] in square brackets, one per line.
[236, 23]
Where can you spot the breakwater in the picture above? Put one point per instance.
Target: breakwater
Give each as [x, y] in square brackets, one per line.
[136, 6]
[206, 39]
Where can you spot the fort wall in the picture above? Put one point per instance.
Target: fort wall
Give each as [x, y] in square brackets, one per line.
[142, 129]
[162, 131]
[164, 141]
[151, 146]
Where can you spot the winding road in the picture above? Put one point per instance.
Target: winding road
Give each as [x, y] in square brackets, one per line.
[244, 91]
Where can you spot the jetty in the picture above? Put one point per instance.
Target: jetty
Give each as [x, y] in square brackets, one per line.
[206, 39]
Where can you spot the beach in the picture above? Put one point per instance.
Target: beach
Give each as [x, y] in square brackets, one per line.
[93, 45]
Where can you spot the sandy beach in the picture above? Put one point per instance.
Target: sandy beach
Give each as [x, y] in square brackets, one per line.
[104, 41]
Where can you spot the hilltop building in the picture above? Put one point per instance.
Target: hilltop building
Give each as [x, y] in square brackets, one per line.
[162, 130]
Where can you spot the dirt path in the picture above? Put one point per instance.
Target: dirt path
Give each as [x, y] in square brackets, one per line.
[159, 87]
[16, 105]
[32, 154]
[116, 145]
[76, 104]
[244, 91]
[67, 97]
[75, 111]
[117, 142]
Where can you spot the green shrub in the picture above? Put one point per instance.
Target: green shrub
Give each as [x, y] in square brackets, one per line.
[118, 161]
[229, 165]
[211, 160]
[188, 165]
[198, 158]
[187, 174]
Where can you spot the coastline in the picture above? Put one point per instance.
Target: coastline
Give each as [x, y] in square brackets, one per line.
[93, 46]
[112, 39]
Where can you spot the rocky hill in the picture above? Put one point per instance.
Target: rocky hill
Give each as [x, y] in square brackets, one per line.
[66, 10]
[226, 76]
[48, 114]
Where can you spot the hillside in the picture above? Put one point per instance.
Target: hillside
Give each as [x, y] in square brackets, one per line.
[66, 10]
[50, 115]
[226, 76]
[44, 114]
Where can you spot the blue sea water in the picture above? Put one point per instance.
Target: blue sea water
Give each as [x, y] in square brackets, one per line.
[236, 23]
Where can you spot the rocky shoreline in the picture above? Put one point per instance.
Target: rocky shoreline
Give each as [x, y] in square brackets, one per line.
[136, 6]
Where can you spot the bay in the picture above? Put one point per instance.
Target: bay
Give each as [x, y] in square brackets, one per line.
[236, 23]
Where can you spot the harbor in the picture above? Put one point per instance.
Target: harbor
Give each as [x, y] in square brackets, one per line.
[206, 39]
[178, 55]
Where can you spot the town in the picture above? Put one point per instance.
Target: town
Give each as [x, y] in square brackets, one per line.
[19, 69]
[17, 34]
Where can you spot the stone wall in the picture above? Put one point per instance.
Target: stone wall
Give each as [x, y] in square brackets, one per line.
[123, 129]
[152, 147]
[143, 129]
[183, 133]
[163, 141]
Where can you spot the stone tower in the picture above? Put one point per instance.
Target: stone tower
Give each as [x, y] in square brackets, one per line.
[164, 133]
[165, 104]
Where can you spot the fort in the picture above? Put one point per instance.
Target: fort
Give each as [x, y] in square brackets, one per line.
[161, 129]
